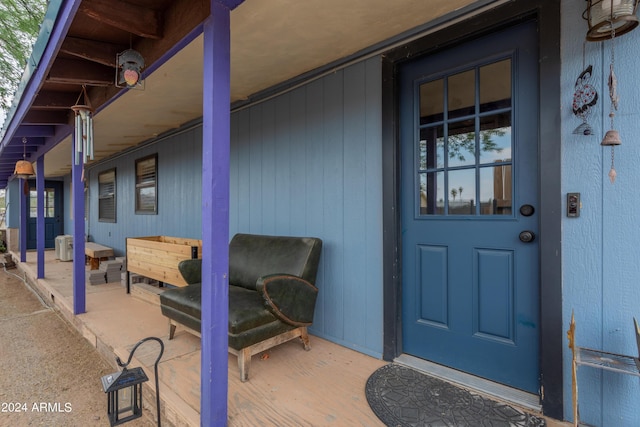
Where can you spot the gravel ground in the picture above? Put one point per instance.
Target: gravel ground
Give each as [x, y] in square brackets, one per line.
[50, 374]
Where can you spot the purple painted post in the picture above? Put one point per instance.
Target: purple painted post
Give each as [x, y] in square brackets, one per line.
[24, 214]
[77, 191]
[215, 217]
[40, 215]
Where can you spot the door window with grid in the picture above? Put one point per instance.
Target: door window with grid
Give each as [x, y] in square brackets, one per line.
[464, 152]
[49, 203]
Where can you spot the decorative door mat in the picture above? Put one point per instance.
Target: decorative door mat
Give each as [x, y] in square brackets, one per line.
[401, 396]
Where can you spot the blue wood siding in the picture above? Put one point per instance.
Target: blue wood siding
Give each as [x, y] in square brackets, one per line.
[308, 162]
[179, 193]
[305, 163]
[600, 249]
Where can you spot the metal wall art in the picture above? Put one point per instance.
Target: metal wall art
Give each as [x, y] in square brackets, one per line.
[584, 98]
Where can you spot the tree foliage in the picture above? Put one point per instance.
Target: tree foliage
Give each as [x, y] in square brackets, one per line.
[19, 26]
[466, 142]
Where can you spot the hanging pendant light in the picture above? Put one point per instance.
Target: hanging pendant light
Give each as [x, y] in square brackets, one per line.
[603, 16]
[129, 69]
[24, 168]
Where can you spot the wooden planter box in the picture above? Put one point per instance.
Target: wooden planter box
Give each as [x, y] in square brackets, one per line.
[157, 257]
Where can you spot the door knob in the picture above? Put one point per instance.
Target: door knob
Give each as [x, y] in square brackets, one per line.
[527, 236]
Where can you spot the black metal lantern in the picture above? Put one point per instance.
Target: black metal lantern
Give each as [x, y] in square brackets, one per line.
[124, 394]
[610, 18]
[124, 389]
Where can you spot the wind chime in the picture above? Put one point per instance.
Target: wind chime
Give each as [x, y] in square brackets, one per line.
[83, 128]
[612, 137]
[608, 19]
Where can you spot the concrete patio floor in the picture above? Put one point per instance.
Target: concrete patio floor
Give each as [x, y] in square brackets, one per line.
[287, 387]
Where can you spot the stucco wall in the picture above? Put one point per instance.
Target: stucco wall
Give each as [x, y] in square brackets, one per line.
[601, 269]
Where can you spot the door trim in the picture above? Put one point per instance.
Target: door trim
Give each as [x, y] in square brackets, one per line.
[547, 15]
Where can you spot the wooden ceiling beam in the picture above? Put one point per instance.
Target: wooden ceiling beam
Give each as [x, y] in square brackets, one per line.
[80, 72]
[44, 117]
[31, 142]
[128, 17]
[182, 16]
[38, 131]
[92, 50]
[53, 100]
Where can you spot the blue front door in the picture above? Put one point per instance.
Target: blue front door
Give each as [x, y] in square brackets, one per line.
[53, 224]
[469, 186]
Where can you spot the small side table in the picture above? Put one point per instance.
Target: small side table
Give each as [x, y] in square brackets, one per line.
[95, 252]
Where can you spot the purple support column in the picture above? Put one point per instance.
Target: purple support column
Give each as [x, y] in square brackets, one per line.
[24, 214]
[215, 217]
[40, 214]
[77, 193]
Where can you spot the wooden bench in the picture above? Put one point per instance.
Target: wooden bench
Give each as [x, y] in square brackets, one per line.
[598, 359]
[94, 253]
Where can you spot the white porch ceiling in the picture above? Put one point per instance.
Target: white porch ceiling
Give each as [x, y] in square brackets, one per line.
[271, 42]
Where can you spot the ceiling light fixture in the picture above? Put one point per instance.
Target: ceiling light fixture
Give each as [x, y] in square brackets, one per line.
[24, 168]
[129, 69]
[609, 17]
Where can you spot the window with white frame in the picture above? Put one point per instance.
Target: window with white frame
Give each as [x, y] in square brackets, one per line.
[49, 203]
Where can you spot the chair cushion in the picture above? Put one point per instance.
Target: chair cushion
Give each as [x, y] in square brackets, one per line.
[248, 311]
[187, 299]
[256, 335]
[181, 317]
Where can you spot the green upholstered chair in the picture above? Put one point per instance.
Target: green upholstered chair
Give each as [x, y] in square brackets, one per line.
[272, 294]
